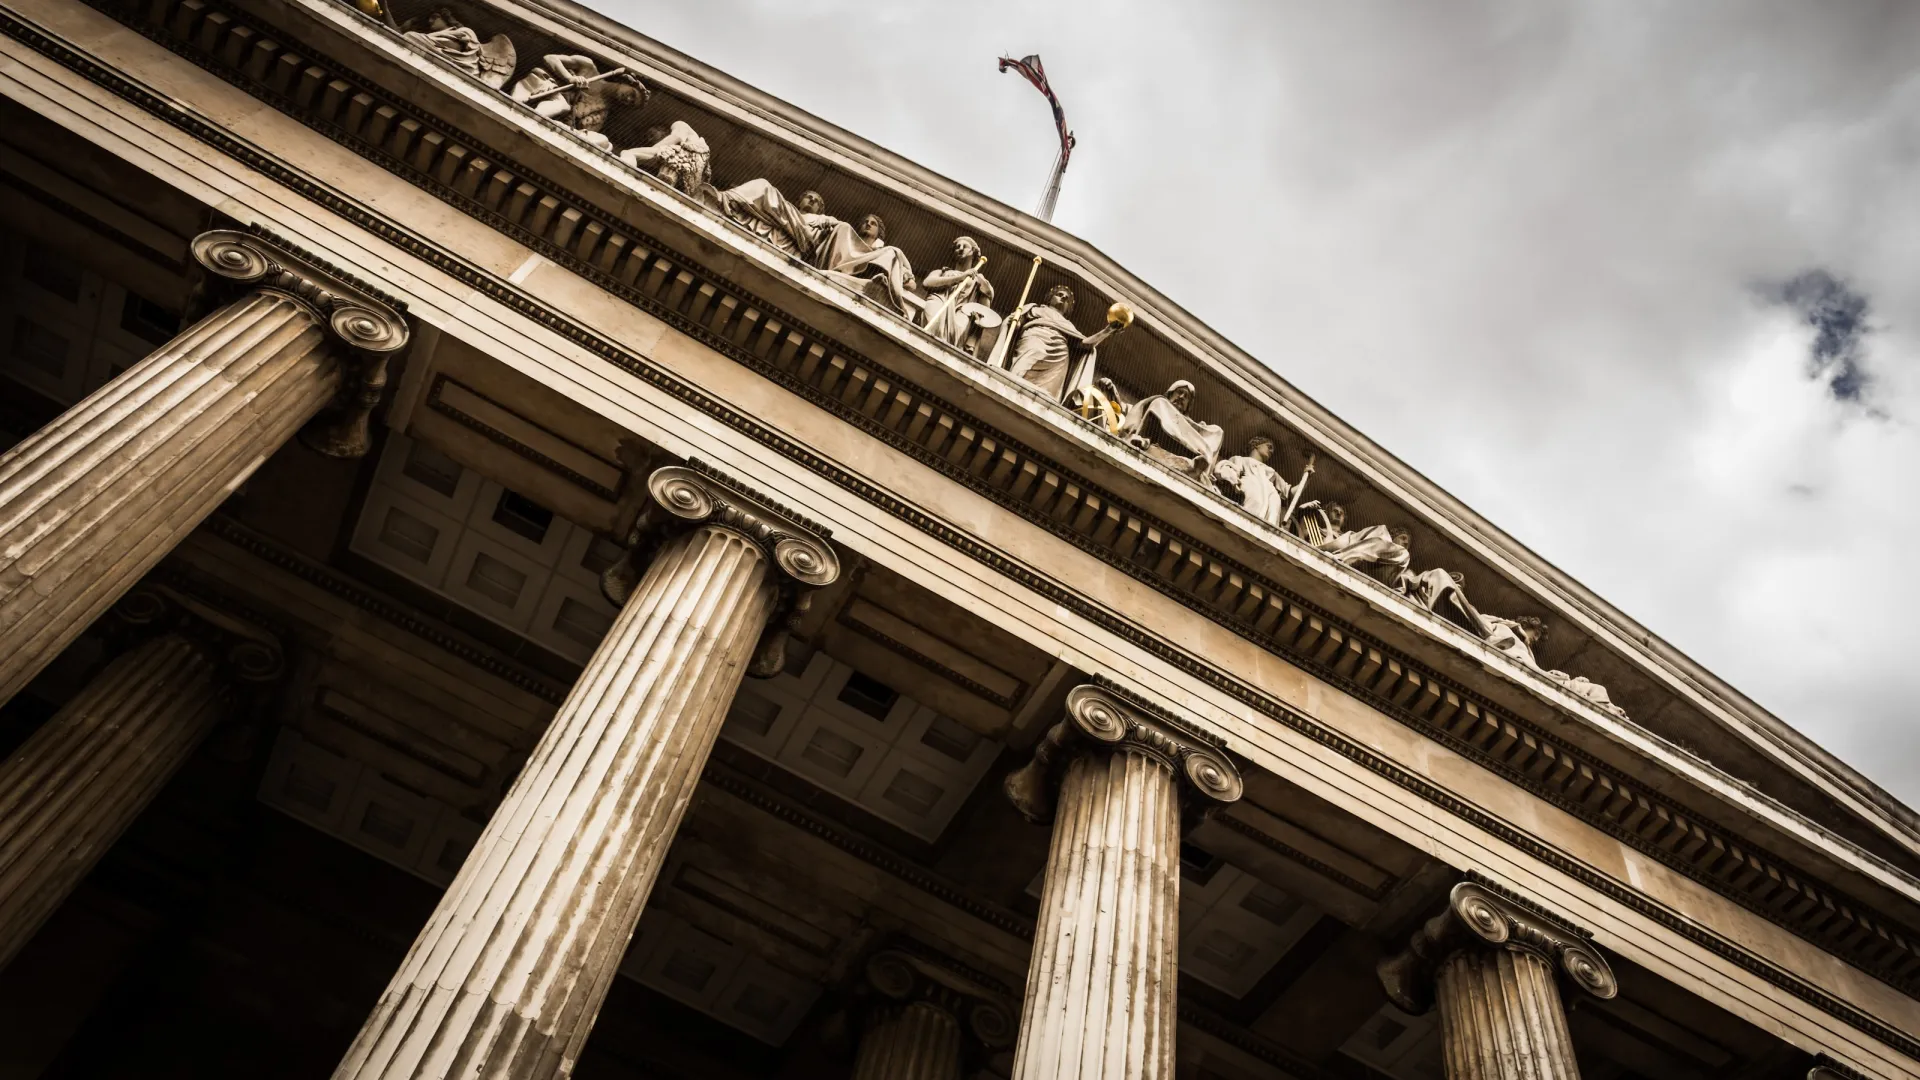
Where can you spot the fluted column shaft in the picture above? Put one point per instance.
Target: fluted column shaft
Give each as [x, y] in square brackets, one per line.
[92, 501]
[1501, 1018]
[1106, 954]
[915, 1041]
[1100, 987]
[511, 970]
[73, 787]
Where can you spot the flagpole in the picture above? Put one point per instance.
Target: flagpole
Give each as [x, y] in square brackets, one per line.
[1030, 69]
[1052, 194]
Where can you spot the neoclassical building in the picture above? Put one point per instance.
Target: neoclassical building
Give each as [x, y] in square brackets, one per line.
[522, 556]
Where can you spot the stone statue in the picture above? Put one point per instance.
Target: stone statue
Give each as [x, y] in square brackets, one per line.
[1046, 343]
[957, 294]
[1591, 692]
[1515, 637]
[1251, 482]
[1160, 426]
[440, 32]
[859, 259]
[1519, 637]
[1372, 550]
[791, 227]
[571, 90]
[1442, 592]
[678, 156]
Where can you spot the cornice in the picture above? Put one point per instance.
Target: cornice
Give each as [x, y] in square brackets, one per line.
[1226, 683]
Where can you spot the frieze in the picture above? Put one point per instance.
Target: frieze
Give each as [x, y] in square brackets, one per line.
[771, 341]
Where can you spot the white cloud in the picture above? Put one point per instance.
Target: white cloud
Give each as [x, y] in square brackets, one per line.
[1518, 244]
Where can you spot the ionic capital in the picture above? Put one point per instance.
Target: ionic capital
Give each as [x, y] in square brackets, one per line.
[245, 653]
[903, 976]
[698, 495]
[1099, 720]
[369, 326]
[355, 314]
[1479, 917]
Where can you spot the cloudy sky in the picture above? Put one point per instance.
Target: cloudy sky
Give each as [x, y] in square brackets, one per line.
[1638, 281]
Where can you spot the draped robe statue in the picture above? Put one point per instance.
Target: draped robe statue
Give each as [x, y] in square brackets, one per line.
[579, 104]
[1442, 593]
[442, 33]
[1517, 638]
[1251, 482]
[1160, 426]
[678, 156]
[792, 227]
[859, 259]
[956, 293]
[1372, 550]
[1046, 343]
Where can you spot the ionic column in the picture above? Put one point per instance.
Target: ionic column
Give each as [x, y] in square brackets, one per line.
[92, 501]
[507, 977]
[1100, 990]
[76, 784]
[1494, 965]
[921, 1017]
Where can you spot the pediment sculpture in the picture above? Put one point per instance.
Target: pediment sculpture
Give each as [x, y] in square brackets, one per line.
[1037, 343]
[572, 91]
[1162, 428]
[441, 32]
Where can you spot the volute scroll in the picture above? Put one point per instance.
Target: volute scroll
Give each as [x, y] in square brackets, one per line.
[1098, 717]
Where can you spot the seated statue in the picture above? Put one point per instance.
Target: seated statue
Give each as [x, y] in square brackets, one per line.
[1441, 592]
[1046, 343]
[859, 259]
[1160, 427]
[1515, 637]
[1519, 637]
[1591, 692]
[570, 90]
[1251, 482]
[1372, 550]
[957, 295]
[678, 156]
[440, 32]
[791, 227]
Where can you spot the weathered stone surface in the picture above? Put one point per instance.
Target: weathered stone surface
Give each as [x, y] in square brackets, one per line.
[510, 972]
[918, 1040]
[93, 500]
[1492, 966]
[1101, 986]
[69, 792]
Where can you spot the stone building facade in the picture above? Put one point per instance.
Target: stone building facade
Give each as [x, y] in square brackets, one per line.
[522, 556]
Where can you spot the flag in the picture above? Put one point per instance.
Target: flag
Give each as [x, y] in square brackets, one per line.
[1029, 68]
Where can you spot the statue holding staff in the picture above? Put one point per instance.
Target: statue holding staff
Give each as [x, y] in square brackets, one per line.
[572, 90]
[1249, 480]
[957, 293]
